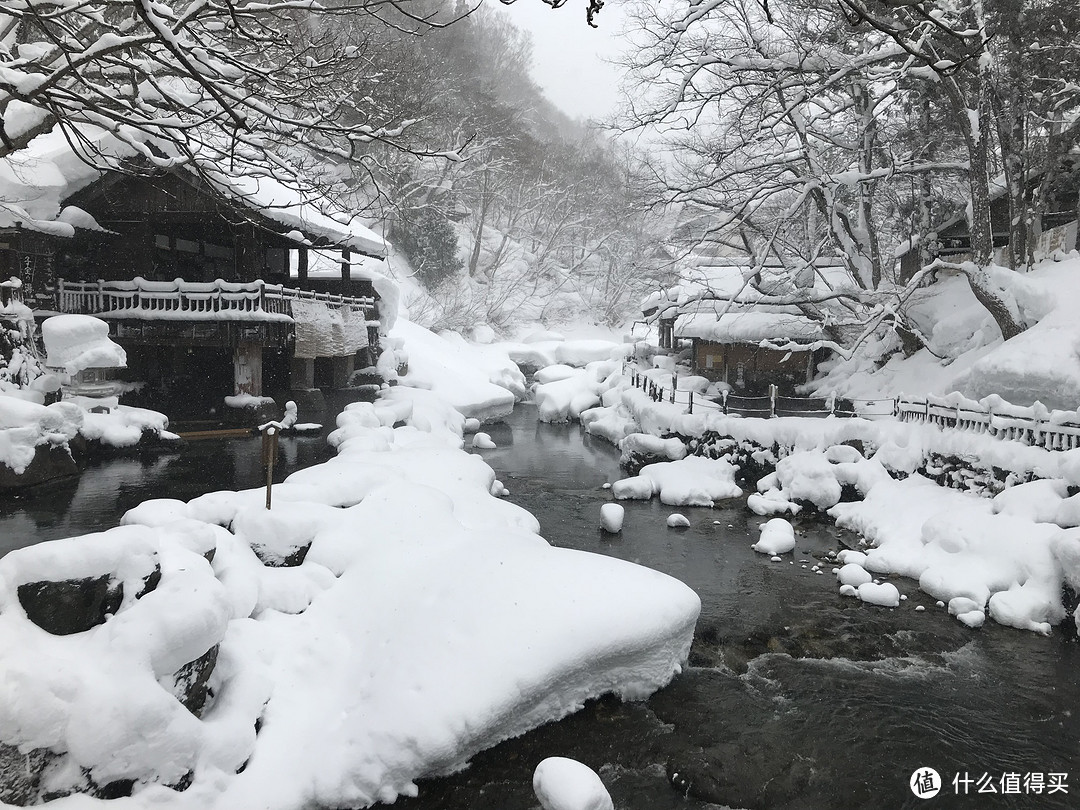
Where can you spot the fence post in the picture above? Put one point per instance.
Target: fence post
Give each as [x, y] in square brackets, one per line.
[691, 400]
[101, 295]
[673, 390]
[772, 400]
[269, 454]
[724, 395]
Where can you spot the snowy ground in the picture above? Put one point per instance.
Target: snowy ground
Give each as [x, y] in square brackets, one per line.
[966, 353]
[427, 621]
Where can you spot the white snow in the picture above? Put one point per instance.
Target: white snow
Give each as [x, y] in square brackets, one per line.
[566, 397]
[677, 521]
[884, 594]
[853, 574]
[450, 367]
[566, 784]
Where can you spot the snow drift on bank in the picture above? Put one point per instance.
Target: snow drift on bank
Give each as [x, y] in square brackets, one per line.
[427, 621]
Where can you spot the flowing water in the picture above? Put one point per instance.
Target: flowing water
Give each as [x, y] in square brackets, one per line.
[794, 697]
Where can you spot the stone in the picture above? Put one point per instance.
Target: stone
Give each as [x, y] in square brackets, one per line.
[272, 559]
[49, 464]
[20, 774]
[72, 605]
[190, 682]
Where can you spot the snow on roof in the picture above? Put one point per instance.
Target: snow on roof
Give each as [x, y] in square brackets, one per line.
[284, 205]
[35, 181]
[748, 327]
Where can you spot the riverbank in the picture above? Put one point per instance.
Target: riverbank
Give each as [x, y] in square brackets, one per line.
[341, 679]
[986, 526]
[43, 443]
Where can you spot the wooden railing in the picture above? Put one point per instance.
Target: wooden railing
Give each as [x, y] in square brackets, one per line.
[183, 300]
[1035, 426]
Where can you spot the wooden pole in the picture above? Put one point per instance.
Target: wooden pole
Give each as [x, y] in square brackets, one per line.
[269, 454]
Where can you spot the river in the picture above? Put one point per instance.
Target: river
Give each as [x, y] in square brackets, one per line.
[794, 697]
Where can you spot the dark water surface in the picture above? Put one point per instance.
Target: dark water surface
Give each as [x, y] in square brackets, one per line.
[795, 697]
[97, 499]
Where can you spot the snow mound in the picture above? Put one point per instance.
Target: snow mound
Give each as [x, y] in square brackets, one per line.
[677, 521]
[692, 481]
[459, 372]
[565, 399]
[777, 537]
[884, 594]
[853, 574]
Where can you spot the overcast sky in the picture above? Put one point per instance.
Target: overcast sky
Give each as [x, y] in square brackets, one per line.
[568, 54]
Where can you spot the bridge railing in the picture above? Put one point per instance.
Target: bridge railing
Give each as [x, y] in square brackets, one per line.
[1034, 426]
[192, 300]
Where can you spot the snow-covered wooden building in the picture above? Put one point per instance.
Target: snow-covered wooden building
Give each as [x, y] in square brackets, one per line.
[739, 334]
[203, 279]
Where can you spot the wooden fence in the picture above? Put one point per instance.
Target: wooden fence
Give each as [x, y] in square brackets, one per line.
[1054, 432]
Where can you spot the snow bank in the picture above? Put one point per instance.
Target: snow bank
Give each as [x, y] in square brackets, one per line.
[566, 397]
[459, 372]
[342, 677]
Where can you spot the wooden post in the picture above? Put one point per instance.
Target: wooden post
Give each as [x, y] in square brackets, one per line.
[302, 264]
[772, 400]
[691, 400]
[269, 454]
[724, 395]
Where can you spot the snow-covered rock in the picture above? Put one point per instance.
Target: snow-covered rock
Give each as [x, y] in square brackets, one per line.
[691, 481]
[482, 441]
[677, 521]
[339, 681]
[566, 784]
[884, 594]
[777, 537]
[611, 517]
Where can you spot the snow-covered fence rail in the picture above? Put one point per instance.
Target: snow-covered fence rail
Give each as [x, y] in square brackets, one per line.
[765, 407]
[1035, 425]
[179, 299]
